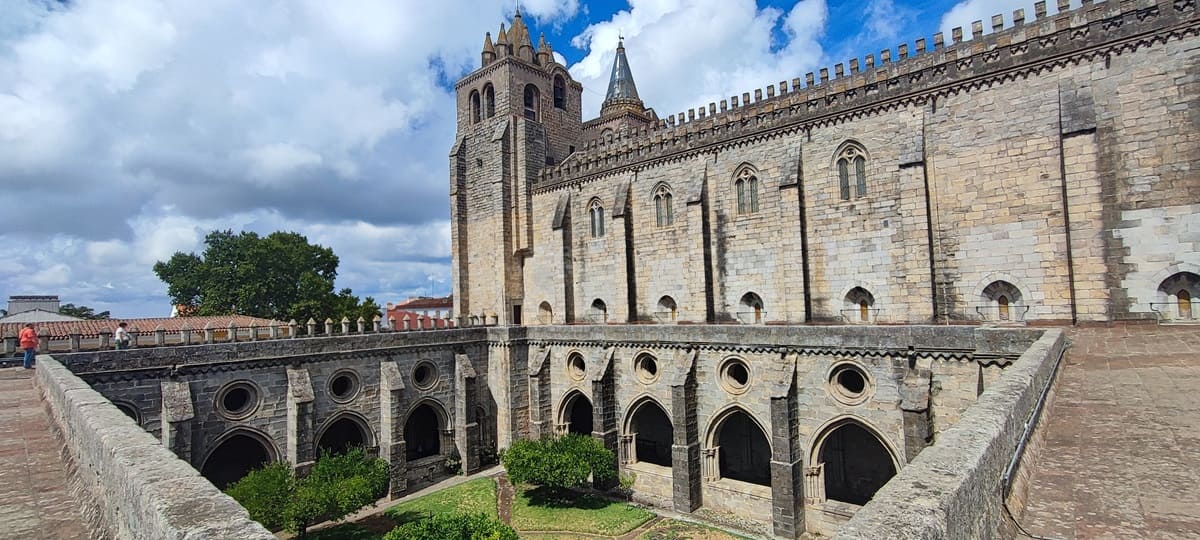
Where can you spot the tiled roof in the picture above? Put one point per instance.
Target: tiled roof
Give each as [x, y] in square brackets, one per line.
[425, 302]
[429, 323]
[62, 329]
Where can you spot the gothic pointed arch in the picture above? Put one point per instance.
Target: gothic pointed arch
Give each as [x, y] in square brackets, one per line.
[858, 305]
[745, 188]
[596, 217]
[344, 431]
[648, 428]
[423, 427]
[532, 99]
[575, 413]
[853, 460]
[664, 211]
[235, 453]
[489, 100]
[476, 105]
[560, 92]
[1177, 296]
[738, 448]
[850, 164]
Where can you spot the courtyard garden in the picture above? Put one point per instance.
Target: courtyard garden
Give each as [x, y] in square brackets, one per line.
[532, 516]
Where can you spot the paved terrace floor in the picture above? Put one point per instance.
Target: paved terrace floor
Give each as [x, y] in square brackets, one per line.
[34, 501]
[1122, 449]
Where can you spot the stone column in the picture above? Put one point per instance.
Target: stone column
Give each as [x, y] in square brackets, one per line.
[312, 327]
[10, 345]
[466, 426]
[208, 334]
[328, 326]
[375, 324]
[73, 338]
[541, 421]
[345, 325]
[787, 475]
[105, 341]
[685, 449]
[177, 419]
[914, 404]
[232, 336]
[362, 325]
[391, 426]
[300, 418]
[604, 412]
[160, 336]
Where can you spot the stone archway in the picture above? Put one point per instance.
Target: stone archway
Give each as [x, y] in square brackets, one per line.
[423, 432]
[235, 456]
[576, 414]
[343, 434]
[652, 434]
[854, 463]
[742, 450]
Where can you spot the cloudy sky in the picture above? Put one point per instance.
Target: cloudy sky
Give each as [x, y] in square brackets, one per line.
[131, 128]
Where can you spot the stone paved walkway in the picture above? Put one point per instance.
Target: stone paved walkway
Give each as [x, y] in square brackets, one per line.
[1122, 450]
[34, 501]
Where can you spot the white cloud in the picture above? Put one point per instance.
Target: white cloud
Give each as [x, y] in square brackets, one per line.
[131, 128]
[965, 13]
[700, 51]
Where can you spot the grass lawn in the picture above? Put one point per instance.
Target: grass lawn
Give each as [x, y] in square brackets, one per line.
[474, 497]
[535, 510]
[670, 529]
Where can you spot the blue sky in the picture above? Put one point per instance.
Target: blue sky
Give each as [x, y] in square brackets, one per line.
[131, 128]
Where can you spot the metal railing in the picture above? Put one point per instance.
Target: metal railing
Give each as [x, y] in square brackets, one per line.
[992, 312]
[1171, 312]
[854, 316]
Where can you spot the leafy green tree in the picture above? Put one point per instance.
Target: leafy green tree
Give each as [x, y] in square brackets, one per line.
[280, 276]
[559, 463]
[338, 485]
[83, 312]
[453, 527]
[265, 493]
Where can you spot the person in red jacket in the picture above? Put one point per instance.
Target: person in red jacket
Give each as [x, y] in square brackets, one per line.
[29, 342]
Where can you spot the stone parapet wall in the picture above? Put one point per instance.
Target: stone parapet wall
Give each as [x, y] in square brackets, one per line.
[137, 488]
[952, 489]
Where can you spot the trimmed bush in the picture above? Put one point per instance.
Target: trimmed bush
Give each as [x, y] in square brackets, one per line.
[453, 527]
[559, 463]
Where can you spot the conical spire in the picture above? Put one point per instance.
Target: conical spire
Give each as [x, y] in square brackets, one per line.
[502, 47]
[620, 84]
[489, 50]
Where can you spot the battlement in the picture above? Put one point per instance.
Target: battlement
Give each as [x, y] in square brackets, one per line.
[1022, 42]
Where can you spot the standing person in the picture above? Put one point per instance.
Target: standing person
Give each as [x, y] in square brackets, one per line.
[122, 337]
[29, 342]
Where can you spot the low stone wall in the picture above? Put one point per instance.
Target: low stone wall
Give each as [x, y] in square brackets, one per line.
[952, 489]
[135, 487]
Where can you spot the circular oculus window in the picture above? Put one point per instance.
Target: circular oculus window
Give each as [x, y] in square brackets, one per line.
[344, 385]
[425, 375]
[646, 367]
[735, 375]
[576, 367]
[238, 400]
[849, 383]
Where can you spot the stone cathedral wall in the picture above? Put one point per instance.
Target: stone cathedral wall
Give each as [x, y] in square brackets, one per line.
[1056, 155]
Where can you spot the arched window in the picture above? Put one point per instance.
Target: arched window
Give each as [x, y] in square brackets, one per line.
[746, 186]
[599, 311]
[667, 309]
[545, 313]
[852, 169]
[560, 92]
[1004, 300]
[662, 206]
[855, 464]
[751, 309]
[857, 304]
[1176, 294]
[532, 97]
[474, 106]
[597, 214]
[489, 100]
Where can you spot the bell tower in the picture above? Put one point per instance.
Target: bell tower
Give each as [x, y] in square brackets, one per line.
[519, 112]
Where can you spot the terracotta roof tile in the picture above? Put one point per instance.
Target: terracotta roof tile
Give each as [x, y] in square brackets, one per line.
[62, 329]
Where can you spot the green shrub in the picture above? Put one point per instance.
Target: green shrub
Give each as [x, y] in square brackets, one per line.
[453, 527]
[337, 486]
[559, 463]
[265, 493]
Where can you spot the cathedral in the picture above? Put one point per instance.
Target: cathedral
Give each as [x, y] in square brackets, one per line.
[1041, 173]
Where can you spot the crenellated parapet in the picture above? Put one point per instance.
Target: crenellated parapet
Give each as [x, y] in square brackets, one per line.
[1017, 47]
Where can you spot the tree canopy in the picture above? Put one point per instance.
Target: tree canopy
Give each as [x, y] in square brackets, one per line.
[559, 463]
[280, 276]
[83, 312]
